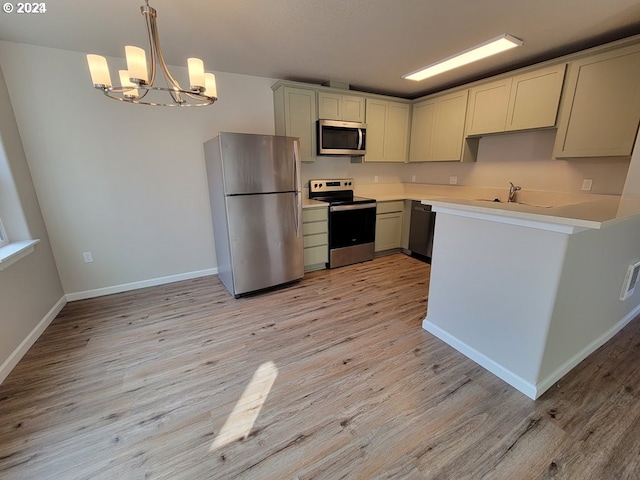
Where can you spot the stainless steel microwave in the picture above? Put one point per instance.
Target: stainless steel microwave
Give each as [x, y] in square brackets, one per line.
[336, 137]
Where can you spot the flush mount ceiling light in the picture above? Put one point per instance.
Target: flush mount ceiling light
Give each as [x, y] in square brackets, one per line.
[496, 45]
[137, 83]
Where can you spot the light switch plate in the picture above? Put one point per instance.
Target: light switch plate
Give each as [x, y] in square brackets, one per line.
[453, 180]
[587, 184]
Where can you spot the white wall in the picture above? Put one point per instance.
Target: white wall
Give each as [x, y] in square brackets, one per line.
[525, 303]
[125, 182]
[632, 185]
[524, 158]
[588, 308]
[30, 290]
[492, 290]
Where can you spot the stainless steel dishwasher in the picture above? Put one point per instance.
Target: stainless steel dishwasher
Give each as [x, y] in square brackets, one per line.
[423, 221]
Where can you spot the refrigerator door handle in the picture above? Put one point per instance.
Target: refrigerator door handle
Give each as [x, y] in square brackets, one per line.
[298, 196]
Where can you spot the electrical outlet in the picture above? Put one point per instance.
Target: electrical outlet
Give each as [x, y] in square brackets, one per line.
[375, 179]
[587, 184]
[453, 180]
[88, 258]
[413, 178]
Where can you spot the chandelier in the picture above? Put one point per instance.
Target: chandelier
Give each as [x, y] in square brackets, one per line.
[137, 83]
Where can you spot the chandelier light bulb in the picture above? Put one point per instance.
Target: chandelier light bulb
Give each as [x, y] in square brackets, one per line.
[210, 84]
[99, 70]
[196, 73]
[137, 64]
[125, 81]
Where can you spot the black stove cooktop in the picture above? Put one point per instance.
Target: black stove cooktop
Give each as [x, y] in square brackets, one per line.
[335, 192]
[347, 200]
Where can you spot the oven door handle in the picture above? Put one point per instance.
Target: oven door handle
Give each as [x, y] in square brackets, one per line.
[357, 206]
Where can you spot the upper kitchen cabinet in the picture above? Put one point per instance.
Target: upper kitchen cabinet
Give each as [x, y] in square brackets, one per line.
[295, 116]
[488, 107]
[525, 101]
[535, 97]
[387, 131]
[601, 108]
[437, 129]
[333, 106]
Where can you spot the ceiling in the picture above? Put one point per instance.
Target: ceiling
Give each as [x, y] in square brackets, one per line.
[369, 44]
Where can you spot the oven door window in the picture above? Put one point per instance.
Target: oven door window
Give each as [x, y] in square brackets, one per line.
[352, 227]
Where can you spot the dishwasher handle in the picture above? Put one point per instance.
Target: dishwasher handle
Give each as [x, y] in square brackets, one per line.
[419, 207]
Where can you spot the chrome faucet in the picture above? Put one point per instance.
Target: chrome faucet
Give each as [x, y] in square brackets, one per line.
[512, 192]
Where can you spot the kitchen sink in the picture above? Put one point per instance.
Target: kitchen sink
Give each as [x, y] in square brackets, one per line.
[497, 200]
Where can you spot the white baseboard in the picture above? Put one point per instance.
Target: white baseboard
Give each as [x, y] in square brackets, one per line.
[99, 292]
[10, 363]
[551, 379]
[517, 382]
[531, 390]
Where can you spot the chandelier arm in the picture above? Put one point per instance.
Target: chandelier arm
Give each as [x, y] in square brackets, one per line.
[116, 93]
[171, 82]
[148, 14]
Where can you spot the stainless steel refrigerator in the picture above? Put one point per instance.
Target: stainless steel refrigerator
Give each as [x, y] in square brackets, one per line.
[256, 205]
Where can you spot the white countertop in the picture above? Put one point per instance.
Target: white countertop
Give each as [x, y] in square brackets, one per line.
[577, 210]
[308, 203]
[596, 213]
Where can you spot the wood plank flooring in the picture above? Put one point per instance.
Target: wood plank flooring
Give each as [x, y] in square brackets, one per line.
[139, 385]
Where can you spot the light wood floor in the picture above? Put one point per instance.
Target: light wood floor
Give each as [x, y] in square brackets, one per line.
[139, 385]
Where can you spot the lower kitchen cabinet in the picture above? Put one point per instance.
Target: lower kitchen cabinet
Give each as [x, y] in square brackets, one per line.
[389, 224]
[315, 228]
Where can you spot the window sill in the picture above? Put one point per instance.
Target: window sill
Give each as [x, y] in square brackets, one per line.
[12, 252]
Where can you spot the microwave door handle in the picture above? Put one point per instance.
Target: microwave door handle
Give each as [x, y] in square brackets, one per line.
[359, 139]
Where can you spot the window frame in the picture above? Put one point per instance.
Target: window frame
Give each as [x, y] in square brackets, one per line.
[4, 239]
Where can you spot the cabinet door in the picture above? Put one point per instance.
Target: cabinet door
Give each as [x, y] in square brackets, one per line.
[353, 109]
[329, 106]
[388, 231]
[488, 106]
[448, 130]
[422, 120]
[535, 97]
[376, 130]
[397, 132]
[333, 106]
[600, 115]
[387, 131]
[300, 119]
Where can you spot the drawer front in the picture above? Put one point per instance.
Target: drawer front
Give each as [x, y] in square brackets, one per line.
[388, 207]
[314, 214]
[315, 255]
[314, 228]
[315, 240]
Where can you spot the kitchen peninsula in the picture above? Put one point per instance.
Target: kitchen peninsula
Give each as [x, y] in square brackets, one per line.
[530, 291]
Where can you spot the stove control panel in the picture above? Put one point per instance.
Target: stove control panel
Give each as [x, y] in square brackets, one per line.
[330, 185]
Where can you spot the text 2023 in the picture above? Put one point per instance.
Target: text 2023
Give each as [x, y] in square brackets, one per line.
[31, 8]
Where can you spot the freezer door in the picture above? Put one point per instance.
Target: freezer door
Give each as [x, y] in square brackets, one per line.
[259, 163]
[265, 236]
